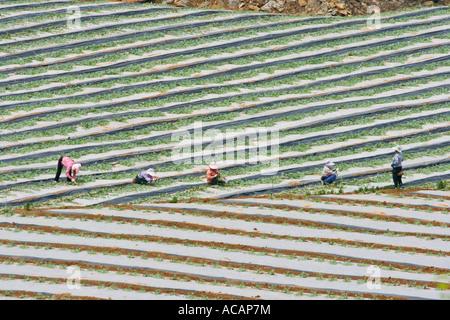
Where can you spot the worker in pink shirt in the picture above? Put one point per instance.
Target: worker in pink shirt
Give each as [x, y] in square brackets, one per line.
[72, 169]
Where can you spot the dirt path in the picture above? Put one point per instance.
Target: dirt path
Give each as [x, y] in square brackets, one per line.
[313, 7]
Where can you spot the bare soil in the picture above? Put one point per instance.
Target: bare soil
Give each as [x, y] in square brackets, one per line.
[310, 7]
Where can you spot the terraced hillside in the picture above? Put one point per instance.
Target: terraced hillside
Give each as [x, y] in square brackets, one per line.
[121, 93]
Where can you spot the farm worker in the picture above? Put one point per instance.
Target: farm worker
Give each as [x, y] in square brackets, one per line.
[397, 167]
[146, 177]
[328, 173]
[213, 175]
[72, 169]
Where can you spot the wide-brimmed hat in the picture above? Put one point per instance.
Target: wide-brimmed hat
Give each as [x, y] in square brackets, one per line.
[329, 163]
[213, 166]
[397, 148]
[151, 172]
[76, 167]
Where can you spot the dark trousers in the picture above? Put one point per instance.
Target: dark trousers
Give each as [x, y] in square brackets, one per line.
[216, 181]
[329, 179]
[139, 180]
[397, 179]
[59, 170]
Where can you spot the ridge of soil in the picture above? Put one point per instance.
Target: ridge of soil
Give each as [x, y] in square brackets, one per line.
[301, 7]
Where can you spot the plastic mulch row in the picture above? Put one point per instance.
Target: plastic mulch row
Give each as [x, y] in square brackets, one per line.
[264, 104]
[255, 67]
[85, 18]
[134, 34]
[36, 5]
[229, 59]
[44, 13]
[136, 113]
[175, 189]
[257, 39]
[199, 102]
[192, 159]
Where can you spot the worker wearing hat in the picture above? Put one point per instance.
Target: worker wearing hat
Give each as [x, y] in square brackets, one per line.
[146, 177]
[328, 173]
[396, 165]
[213, 175]
[72, 169]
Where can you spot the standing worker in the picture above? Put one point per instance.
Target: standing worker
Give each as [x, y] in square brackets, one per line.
[396, 165]
[328, 173]
[72, 169]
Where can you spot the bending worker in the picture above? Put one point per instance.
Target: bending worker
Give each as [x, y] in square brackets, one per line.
[213, 175]
[328, 173]
[146, 177]
[72, 169]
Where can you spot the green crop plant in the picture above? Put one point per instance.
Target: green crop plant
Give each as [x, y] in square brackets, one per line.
[233, 99]
[300, 148]
[142, 26]
[442, 185]
[247, 98]
[120, 29]
[169, 48]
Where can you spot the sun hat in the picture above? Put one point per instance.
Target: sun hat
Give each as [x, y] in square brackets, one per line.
[329, 163]
[76, 167]
[397, 148]
[151, 172]
[213, 166]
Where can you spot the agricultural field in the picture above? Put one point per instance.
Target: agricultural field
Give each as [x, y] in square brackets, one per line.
[122, 87]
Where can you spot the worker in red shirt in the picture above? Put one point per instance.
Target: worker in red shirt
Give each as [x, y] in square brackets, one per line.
[213, 176]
